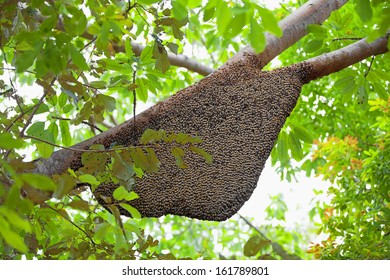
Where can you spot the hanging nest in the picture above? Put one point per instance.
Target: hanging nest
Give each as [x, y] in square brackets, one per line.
[238, 112]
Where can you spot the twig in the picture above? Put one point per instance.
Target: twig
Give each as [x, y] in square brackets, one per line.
[130, 6]
[7, 129]
[134, 104]
[253, 227]
[147, 23]
[70, 221]
[369, 66]
[275, 246]
[113, 120]
[83, 150]
[21, 133]
[6, 62]
[36, 107]
[89, 43]
[84, 122]
[346, 38]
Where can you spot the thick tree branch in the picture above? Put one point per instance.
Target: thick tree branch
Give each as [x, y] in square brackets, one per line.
[335, 61]
[294, 27]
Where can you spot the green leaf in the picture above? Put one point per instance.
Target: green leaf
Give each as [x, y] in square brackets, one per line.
[27, 58]
[79, 204]
[53, 128]
[65, 133]
[121, 193]
[98, 84]
[380, 90]
[123, 169]
[65, 184]
[45, 150]
[208, 158]
[141, 90]
[128, 48]
[43, 108]
[362, 96]
[89, 179]
[147, 54]
[7, 141]
[162, 62]
[173, 47]
[236, 25]
[11, 237]
[150, 136]
[78, 58]
[179, 10]
[269, 21]
[77, 23]
[15, 219]
[147, 160]
[178, 153]
[302, 133]
[153, 164]
[282, 148]
[183, 138]
[346, 85]
[313, 45]
[38, 181]
[208, 13]
[295, 146]
[257, 37]
[364, 10]
[318, 31]
[224, 16]
[133, 211]
[132, 228]
[254, 245]
[108, 102]
[36, 129]
[49, 24]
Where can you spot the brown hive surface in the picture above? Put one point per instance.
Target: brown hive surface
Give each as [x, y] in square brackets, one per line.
[238, 112]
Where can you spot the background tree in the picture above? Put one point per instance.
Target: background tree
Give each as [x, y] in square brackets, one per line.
[87, 59]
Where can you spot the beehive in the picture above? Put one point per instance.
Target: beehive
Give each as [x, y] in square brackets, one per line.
[238, 112]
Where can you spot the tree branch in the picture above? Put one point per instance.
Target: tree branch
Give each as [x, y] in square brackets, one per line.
[178, 60]
[335, 61]
[294, 27]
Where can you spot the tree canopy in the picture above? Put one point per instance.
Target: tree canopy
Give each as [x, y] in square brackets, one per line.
[72, 69]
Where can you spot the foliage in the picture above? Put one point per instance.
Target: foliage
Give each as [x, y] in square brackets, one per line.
[68, 70]
[343, 117]
[358, 217]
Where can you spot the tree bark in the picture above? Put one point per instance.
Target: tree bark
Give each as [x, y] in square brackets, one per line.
[335, 61]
